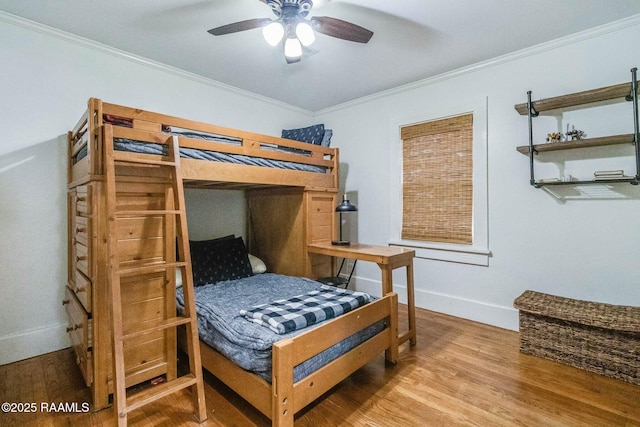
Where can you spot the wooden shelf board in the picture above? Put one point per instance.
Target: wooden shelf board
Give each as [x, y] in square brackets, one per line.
[578, 98]
[583, 143]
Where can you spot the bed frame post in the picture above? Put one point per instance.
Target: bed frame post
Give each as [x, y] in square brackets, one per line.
[282, 406]
[391, 354]
[69, 156]
[336, 169]
[95, 146]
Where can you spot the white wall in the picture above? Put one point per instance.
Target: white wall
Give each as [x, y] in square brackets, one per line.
[46, 80]
[583, 248]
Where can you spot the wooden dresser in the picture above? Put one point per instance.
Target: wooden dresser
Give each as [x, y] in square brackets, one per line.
[86, 293]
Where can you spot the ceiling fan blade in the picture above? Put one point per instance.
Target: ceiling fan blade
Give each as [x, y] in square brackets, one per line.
[249, 24]
[341, 29]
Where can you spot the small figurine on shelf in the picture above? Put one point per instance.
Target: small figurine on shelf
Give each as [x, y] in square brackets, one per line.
[554, 137]
[575, 134]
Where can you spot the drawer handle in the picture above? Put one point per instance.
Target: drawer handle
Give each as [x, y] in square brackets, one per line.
[82, 289]
[82, 198]
[81, 258]
[65, 302]
[75, 327]
[81, 229]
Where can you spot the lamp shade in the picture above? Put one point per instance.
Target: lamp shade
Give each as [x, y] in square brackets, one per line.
[292, 48]
[305, 34]
[273, 33]
[346, 205]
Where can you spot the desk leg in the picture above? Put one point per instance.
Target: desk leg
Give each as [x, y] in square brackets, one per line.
[387, 286]
[411, 304]
[387, 279]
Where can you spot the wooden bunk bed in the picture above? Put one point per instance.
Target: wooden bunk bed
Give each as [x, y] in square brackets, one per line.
[290, 205]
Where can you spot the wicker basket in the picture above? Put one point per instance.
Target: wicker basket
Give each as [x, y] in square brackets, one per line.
[600, 338]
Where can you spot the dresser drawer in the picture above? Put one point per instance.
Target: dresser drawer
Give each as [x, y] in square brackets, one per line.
[83, 258]
[83, 199]
[85, 364]
[320, 221]
[82, 288]
[79, 330]
[82, 230]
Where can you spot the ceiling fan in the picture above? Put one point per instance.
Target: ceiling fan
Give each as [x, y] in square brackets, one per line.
[292, 25]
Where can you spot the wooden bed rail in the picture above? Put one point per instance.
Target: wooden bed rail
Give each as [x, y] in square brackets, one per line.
[86, 138]
[283, 398]
[156, 122]
[290, 397]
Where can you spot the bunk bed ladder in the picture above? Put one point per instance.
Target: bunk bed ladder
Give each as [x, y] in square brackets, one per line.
[173, 213]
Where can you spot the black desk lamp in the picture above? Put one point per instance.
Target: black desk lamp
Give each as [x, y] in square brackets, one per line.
[344, 207]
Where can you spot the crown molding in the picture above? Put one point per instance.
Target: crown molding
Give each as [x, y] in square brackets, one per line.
[499, 60]
[523, 53]
[108, 50]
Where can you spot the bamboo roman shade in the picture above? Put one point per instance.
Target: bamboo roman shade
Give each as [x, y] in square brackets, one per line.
[437, 188]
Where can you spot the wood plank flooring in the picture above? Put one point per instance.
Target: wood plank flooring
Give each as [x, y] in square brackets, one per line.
[460, 373]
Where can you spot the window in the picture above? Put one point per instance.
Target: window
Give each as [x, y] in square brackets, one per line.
[440, 195]
[437, 180]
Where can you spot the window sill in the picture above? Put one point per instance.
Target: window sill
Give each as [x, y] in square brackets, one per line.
[449, 253]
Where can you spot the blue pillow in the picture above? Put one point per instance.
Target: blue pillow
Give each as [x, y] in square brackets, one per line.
[311, 134]
[326, 139]
[220, 259]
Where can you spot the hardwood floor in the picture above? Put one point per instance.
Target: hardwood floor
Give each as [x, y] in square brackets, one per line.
[460, 373]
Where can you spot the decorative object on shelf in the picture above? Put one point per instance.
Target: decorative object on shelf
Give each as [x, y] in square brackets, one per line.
[609, 175]
[566, 178]
[345, 207]
[554, 137]
[575, 134]
[548, 180]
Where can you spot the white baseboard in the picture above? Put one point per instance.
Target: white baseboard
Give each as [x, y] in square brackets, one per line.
[32, 343]
[478, 311]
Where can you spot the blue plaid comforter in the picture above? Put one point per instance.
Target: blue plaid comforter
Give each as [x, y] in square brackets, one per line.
[288, 315]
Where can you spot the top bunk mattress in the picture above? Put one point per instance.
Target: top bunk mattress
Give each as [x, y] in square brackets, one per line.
[123, 144]
[248, 344]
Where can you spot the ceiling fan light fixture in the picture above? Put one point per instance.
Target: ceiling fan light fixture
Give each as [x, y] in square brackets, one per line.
[292, 48]
[293, 30]
[305, 34]
[273, 33]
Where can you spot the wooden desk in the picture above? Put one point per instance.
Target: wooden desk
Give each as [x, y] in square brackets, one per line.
[388, 259]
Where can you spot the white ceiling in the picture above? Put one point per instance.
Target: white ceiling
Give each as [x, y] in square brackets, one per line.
[413, 39]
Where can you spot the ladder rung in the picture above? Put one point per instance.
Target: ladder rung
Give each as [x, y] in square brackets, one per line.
[149, 212]
[153, 268]
[159, 391]
[164, 324]
[126, 157]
